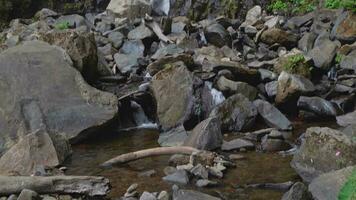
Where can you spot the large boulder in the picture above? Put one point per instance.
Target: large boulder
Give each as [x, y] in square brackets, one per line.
[39, 74]
[206, 135]
[271, 115]
[297, 192]
[330, 185]
[347, 119]
[345, 27]
[276, 35]
[322, 151]
[35, 150]
[349, 61]
[217, 35]
[236, 113]
[291, 86]
[129, 8]
[178, 96]
[81, 48]
[324, 54]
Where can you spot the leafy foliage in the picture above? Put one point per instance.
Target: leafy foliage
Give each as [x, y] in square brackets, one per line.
[294, 61]
[348, 191]
[338, 58]
[62, 25]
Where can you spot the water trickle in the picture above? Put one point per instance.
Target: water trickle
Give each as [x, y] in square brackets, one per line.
[218, 97]
[140, 118]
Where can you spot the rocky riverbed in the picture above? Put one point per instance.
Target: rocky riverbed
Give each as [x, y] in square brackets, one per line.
[225, 99]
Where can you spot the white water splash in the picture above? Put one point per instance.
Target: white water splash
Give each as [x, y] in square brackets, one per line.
[218, 97]
[138, 114]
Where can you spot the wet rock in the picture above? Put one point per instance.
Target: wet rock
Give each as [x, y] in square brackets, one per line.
[65, 104]
[275, 35]
[323, 150]
[237, 144]
[271, 115]
[28, 195]
[131, 9]
[324, 54]
[348, 119]
[205, 183]
[236, 113]
[307, 41]
[185, 106]
[349, 61]
[217, 35]
[133, 48]
[231, 87]
[81, 48]
[328, 185]
[126, 63]
[274, 142]
[192, 195]
[147, 196]
[297, 192]
[139, 33]
[318, 106]
[345, 27]
[292, 86]
[116, 38]
[206, 135]
[179, 177]
[173, 137]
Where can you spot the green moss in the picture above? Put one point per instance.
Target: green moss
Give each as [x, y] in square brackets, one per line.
[230, 8]
[336, 4]
[338, 58]
[348, 191]
[62, 26]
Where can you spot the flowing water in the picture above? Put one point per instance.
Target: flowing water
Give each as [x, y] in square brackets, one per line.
[256, 168]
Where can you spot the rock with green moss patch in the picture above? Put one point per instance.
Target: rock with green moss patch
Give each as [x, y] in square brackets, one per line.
[294, 63]
[322, 151]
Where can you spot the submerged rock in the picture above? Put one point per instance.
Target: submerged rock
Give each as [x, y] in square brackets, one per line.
[192, 195]
[173, 137]
[323, 150]
[236, 113]
[237, 144]
[69, 106]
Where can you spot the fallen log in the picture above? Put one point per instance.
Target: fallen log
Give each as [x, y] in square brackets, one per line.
[124, 158]
[80, 185]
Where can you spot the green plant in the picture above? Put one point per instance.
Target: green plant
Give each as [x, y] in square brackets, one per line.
[338, 58]
[336, 4]
[294, 61]
[348, 191]
[62, 25]
[278, 5]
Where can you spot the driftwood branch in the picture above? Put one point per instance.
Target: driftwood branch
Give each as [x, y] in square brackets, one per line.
[82, 185]
[124, 158]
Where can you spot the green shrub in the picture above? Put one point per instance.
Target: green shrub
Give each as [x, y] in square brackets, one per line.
[338, 58]
[348, 191]
[294, 61]
[62, 25]
[278, 5]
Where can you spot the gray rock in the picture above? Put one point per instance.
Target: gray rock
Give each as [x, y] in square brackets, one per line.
[161, 7]
[179, 177]
[231, 87]
[350, 131]
[345, 28]
[237, 144]
[322, 151]
[296, 22]
[28, 195]
[72, 20]
[328, 185]
[349, 61]
[139, 33]
[103, 27]
[206, 135]
[116, 38]
[65, 104]
[236, 113]
[163, 196]
[271, 88]
[217, 35]
[147, 196]
[14, 197]
[267, 75]
[133, 48]
[173, 137]
[44, 13]
[348, 119]
[205, 183]
[126, 63]
[192, 195]
[272, 116]
[318, 106]
[131, 9]
[253, 15]
[297, 192]
[307, 41]
[291, 86]
[200, 171]
[170, 49]
[324, 54]
[274, 144]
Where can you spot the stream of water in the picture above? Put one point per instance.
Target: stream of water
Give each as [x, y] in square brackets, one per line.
[256, 168]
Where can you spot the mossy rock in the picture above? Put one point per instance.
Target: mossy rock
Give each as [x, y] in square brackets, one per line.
[294, 64]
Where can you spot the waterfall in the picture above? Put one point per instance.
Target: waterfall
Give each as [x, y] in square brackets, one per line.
[218, 97]
[140, 117]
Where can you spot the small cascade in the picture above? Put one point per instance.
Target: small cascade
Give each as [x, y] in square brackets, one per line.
[140, 118]
[218, 97]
